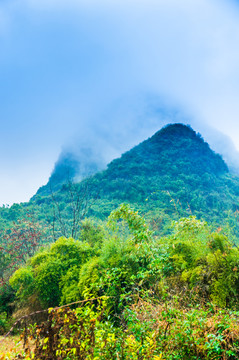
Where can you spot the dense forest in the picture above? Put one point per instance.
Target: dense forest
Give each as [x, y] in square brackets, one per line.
[138, 261]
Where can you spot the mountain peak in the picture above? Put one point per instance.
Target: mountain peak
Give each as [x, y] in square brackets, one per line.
[177, 130]
[178, 145]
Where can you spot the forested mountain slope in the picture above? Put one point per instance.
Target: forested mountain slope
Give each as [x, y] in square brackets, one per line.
[175, 158]
[174, 173]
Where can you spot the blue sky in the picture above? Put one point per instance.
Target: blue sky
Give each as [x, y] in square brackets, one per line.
[108, 74]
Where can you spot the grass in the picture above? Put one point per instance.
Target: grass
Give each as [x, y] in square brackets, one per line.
[9, 345]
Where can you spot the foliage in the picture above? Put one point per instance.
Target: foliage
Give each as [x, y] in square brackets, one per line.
[203, 262]
[18, 244]
[184, 332]
[50, 267]
[192, 259]
[171, 297]
[150, 331]
[7, 296]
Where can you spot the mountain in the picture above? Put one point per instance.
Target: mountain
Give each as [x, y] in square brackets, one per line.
[173, 166]
[172, 174]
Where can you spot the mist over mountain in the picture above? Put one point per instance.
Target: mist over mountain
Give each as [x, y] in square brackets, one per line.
[69, 71]
[173, 173]
[223, 145]
[79, 160]
[75, 166]
[72, 167]
[120, 129]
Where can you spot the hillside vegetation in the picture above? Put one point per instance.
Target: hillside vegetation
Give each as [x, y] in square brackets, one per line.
[160, 285]
[136, 296]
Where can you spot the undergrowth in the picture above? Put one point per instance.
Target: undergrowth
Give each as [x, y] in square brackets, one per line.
[134, 296]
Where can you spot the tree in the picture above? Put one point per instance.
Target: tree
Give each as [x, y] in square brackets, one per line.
[70, 206]
[18, 244]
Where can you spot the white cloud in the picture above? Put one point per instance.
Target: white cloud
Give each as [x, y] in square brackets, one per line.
[189, 52]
